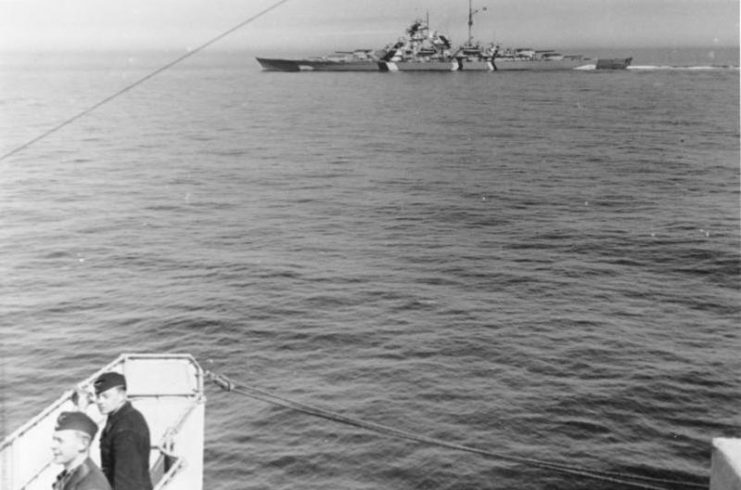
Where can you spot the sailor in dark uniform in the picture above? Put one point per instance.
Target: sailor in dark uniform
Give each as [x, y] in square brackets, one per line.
[124, 442]
[73, 434]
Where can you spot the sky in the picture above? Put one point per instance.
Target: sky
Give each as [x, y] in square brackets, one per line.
[328, 25]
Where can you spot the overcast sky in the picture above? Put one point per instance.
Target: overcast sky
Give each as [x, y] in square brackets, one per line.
[304, 25]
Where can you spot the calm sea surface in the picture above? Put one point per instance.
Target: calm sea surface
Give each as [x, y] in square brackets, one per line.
[545, 265]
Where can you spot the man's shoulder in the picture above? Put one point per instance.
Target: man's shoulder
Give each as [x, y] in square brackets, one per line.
[90, 478]
[129, 410]
[130, 416]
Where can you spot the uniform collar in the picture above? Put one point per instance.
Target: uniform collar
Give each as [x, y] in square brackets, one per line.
[113, 417]
[71, 476]
[123, 408]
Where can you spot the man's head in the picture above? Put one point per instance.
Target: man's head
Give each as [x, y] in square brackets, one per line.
[73, 434]
[110, 390]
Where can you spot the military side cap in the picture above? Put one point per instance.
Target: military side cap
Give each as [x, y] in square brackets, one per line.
[76, 421]
[106, 381]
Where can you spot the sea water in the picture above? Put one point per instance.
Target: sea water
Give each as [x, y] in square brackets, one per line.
[544, 265]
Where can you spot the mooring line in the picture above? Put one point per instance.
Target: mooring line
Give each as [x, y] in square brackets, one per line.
[635, 481]
[141, 80]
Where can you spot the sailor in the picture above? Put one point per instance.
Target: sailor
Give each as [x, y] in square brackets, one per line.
[124, 442]
[73, 433]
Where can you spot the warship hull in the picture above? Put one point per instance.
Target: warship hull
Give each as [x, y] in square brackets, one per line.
[486, 65]
[508, 64]
[500, 64]
[277, 64]
[504, 64]
[418, 66]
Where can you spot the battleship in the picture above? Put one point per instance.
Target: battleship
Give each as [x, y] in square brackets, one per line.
[427, 50]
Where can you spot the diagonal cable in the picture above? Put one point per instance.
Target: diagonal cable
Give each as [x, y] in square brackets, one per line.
[624, 479]
[141, 80]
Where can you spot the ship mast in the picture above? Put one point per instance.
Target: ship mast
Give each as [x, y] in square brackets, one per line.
[471, 13]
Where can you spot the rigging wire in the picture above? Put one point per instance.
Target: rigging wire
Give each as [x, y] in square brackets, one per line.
[140, 81]
[635, 481]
